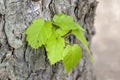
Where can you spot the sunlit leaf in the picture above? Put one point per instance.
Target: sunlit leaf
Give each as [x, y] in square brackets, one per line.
[38, 32]
[71, 56]
[65, 22]
[55, 47]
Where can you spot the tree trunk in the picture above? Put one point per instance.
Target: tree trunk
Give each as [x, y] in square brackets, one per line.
[18, 60]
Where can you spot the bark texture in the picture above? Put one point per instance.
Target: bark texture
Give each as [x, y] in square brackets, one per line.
[20, 62]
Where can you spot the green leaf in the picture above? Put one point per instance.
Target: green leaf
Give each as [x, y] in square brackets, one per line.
[38, 33]
[80, 36]
[55, 47]
[71, 56]
[65, 22]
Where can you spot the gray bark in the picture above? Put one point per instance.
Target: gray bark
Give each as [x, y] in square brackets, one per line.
[18, 61]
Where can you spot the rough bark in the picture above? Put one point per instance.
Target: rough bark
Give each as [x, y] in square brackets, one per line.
[18, 61]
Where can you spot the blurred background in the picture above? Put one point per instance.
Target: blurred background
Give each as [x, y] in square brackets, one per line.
[106, 42]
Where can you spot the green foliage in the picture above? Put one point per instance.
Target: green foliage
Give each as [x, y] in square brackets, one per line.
[55, 48]
[72, 55]
[38, 33]
[65, 22]
[52, 35]
[80, 36]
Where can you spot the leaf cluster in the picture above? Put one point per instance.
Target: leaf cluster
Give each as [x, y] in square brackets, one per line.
[51, 35]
